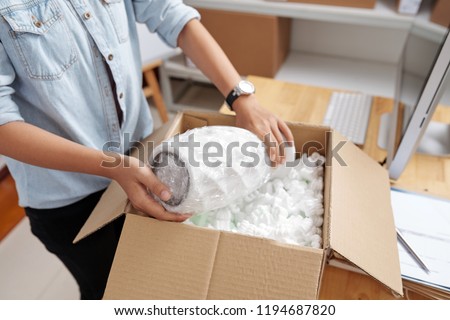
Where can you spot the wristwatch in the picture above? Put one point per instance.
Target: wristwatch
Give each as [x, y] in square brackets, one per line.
[244, 87]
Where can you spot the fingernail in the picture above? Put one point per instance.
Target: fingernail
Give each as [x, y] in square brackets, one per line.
[165, 195]
[272, 157]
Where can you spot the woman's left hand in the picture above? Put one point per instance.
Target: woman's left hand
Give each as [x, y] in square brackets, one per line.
[268, 127]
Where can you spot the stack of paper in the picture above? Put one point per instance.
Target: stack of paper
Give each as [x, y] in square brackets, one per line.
[424, 222]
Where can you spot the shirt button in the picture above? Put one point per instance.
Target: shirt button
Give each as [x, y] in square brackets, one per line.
[87, 15]
[38, 24]
[110, 57]
[121, 95]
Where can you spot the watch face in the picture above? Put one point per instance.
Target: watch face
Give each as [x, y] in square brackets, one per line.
[246, 87]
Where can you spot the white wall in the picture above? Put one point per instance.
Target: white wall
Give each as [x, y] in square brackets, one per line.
[151, 46]
[348, 40]
[420, 55]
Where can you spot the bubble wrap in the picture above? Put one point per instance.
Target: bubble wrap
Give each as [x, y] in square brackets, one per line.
[210, 167]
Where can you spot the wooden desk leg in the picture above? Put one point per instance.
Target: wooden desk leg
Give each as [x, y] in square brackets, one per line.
[155, 92]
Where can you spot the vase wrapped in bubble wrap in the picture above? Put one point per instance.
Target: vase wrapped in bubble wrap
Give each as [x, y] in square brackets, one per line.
[210, 167]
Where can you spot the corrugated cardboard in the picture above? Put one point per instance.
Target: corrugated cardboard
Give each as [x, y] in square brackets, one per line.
[344, 3]
[357, 217]
[441, 13]
[164, 260]
[255, 44]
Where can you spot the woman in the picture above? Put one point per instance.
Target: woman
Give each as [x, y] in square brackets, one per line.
[70, 84]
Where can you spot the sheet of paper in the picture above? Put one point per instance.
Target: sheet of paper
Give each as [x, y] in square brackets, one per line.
[425, 224]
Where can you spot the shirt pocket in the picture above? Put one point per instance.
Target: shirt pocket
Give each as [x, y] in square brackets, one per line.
[42, 39]
[118, 14]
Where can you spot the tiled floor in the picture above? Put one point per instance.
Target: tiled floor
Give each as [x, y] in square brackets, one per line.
[28, 271]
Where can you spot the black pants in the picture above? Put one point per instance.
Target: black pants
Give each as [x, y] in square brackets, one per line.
[89, 260]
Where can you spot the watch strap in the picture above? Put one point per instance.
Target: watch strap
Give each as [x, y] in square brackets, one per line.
[232, 96]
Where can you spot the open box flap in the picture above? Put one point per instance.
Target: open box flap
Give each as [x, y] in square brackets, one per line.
[362, 226]
[110, 207]
[114, 200]
[166, 260]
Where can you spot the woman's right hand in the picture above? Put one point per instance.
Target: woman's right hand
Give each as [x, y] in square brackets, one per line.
[136, 178]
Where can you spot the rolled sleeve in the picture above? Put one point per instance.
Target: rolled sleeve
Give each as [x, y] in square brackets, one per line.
[165, 17]
[9, 111]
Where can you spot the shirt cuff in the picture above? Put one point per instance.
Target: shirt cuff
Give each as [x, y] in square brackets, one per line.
[172, 36]
[169, 32]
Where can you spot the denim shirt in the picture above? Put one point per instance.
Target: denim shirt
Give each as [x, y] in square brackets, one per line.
[71, 67]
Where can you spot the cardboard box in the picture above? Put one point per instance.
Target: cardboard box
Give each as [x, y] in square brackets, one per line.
[370, 4]
[255, 44]
[164, 260]
[410, 7]
[441, 13]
